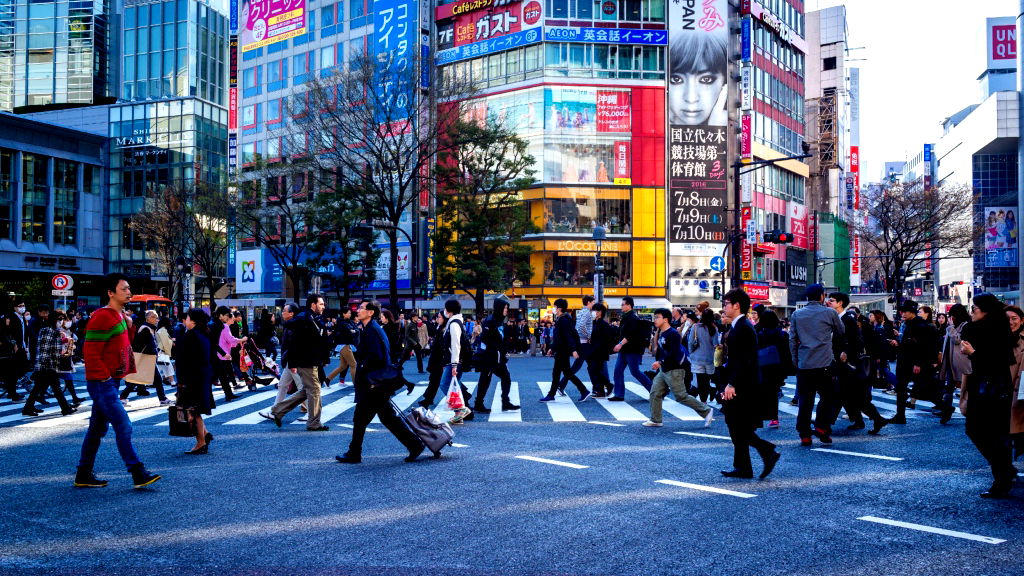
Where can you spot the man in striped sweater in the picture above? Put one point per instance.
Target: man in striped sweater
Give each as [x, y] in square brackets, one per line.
[108, 359]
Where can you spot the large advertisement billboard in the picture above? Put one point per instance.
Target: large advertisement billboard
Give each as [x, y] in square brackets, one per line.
[1001, 235]
[471, 28]
[395, 34]
[697, 91]
[264, 22]
[256, 272]
[1001, 36]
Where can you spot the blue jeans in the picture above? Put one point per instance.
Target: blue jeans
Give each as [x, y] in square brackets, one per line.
[633, 361]
[106, 411]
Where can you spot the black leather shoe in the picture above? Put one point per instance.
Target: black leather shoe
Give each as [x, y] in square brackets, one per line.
[204, 449]
[898, 420]
[414, 453]
[878, 425]
[347, 458]
[509, 407]
[856, 426]
[769, 464]
[208, 438]
[737, 474]
[481, 410]
[998, 490]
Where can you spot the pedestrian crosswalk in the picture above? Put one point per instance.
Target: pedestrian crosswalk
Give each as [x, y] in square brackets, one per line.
[338, 402]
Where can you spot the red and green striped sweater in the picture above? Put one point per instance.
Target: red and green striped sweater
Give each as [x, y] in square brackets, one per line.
[107, 350]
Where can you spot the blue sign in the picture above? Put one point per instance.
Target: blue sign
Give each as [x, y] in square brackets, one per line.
[745, 39]
[485, 47]
[424, 58]
[718, 263]
[927, 152]
[605, 35]
[395, 34]
[234, 17]
[703, 285]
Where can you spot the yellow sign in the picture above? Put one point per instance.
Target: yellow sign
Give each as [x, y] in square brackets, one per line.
[624, 181]
[747, 275]
[587, 246]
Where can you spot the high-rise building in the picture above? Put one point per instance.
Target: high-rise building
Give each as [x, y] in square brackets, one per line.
[57, 54]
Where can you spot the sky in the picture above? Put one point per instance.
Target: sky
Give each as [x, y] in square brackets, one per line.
[921, 62]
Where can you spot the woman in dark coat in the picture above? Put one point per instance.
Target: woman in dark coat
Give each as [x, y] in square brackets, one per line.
[775, 366]
[195, 376]
[396, 340]
[985, 392]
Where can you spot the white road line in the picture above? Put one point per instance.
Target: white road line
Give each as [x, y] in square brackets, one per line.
[84, 412]
[859, 454]
[668, 403]
[235, 404]
[496, 414]
[457, 445]
[607, 423]
[699, 435]
[323, 408]
[706, 488]
[555, 462]
[349, 426]
[623, 411]
[933, 530]
[562, 409]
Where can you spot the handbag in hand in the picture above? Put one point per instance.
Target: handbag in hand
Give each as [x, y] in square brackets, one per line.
[180, 424]
[388, 379]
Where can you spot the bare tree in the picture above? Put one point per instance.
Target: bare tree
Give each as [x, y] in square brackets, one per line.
[373, 135]
[336, 242]
[160, 226]
[906, 223]
[209, 214]
[481, 179]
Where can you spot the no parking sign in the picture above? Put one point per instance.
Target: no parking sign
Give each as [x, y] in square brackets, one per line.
[62, 282]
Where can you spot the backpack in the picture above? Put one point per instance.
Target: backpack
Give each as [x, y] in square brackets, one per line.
[465, 349]
[646, 329]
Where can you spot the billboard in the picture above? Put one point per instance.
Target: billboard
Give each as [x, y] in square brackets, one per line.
[798, 225]
[1001, 37]
[586, 110]
[265, 22]
[605, 35]
[395, 34]
[477, 25]
[484, 47]
[697, 95]
[256, 271]
[1001, 235]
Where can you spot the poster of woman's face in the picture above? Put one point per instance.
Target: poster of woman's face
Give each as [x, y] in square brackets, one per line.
[697, 80]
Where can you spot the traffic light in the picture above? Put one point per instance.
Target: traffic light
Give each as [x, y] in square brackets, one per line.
[777, 237]
[717, 292]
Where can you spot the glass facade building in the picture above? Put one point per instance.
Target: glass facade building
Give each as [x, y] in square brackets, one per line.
[57, 53]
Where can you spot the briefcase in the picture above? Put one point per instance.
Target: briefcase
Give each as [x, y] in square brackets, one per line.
[177, 418]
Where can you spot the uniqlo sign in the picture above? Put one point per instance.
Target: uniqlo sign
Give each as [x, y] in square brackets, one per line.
[1004, 42]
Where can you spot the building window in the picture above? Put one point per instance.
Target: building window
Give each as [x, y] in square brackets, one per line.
[828, 63]
[573, 268]
[6, 193]
[578, 215]
[33, 216]
[130, 240]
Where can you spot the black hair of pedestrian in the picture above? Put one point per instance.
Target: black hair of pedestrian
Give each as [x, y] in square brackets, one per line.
[739, 297]
[692, 316]
[42, 308]
[587, 299]
[201, 318]
[841, 297]
[373, 306]
[989, 303]
[563, 305]
[908, 306]
[1015, 310]
[453, 306]
[768, 320]
[388, 315]
[958, 314]
[182, 316]
[500, 305]
[814, 293]
[628, 300]
[759, 308]
[707, 318]
[110, 281]
[598, 307]
[54, 318]
[292, 307]
[222, 311]
[664, 313]
[313, 298]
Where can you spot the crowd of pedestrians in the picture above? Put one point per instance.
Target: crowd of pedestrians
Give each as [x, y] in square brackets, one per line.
[735, 362]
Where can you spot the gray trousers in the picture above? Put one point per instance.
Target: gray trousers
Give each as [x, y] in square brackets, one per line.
[309, 388]
[675, 381]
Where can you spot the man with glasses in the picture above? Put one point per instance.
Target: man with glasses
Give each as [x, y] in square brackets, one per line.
[810, 340]
[372, 354]
[743, 399]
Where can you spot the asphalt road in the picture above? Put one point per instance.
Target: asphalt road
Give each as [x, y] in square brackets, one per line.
[635, 500]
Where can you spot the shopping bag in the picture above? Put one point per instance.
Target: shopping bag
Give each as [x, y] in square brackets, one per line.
[145, 368]
[179, 422]
[455, 400]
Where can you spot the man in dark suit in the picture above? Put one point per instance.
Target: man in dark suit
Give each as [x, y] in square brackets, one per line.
[741, 398]
[372, 354]
[854, 391]
[16, 333]
[566, 344]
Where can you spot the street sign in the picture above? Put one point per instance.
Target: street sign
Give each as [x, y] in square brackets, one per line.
[62, 282]
[703, 285]
[62, 293]
[718, 263]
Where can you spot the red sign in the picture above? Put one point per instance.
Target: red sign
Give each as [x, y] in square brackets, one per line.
[480, 25]
[855, 168]
[609, 7]
[798, 225]
[613, 111]
[532, 13]
[458, 8]
[854, 158]
[855, 257]
[746, 138]
[757, 291]
[746, 254]
[233, 109]
[1004, 42]
[622, 157]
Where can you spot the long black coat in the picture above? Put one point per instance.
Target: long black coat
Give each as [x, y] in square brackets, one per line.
[744, 374]
[195, 372]
[371, 354]
[602, 339]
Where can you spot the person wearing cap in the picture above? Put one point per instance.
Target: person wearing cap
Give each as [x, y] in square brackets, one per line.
[985, 393]
[812, 329]
[916, 359]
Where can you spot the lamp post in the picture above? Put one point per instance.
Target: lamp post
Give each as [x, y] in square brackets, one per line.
[599, 236]
[179, 266]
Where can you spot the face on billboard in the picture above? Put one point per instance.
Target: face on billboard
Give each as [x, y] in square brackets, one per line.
[693, 96]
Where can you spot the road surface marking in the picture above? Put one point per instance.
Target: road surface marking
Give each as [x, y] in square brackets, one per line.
[555, 462]
[562, 408]
[699, 435]
[607, 424]
[859, 454]
[496, 414]
[706, 488]
[933, 530]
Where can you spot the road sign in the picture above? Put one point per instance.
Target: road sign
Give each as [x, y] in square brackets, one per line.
[62, 292]
[718, 263]
[62, 282]
[703, 285]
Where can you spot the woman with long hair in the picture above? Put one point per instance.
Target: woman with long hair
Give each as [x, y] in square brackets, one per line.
[1016, 318]
[395, 338]
[985, 392]
[222, 342]
[702, 340]
[195, 376]
[775, 359]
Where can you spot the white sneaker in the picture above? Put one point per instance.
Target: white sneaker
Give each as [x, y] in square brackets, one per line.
[126, 403]
[166, 402]
[653, 424]
[709, 418]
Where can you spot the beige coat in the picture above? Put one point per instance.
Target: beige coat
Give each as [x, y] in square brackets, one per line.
[1017, 408]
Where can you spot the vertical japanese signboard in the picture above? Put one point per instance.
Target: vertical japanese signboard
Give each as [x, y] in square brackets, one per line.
[395, 33]
[697, 117]
[264, 22]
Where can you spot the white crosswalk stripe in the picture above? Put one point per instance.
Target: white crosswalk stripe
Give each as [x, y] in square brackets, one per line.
[513, 395]
[562, 408]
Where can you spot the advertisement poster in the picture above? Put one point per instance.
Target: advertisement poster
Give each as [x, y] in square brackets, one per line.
[1002, 231]
[256, 271]
[479, 25]
[395, 34]
[584, 110]
[264, 22]
[798, 225]
[471, 28]
[698, 48]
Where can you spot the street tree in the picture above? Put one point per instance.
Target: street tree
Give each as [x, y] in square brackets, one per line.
[208, 215]
[337, 243]
[908, 225]
[481, 214]
[161, 226]
[271, 211]
[370, 133]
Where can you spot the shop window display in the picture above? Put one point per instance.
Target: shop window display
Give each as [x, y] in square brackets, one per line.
[577, 269]
[580, 214]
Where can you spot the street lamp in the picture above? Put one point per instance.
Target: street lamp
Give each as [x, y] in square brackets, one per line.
[180, 265]
[599, 236]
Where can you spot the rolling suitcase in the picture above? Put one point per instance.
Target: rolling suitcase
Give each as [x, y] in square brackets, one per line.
[433, 432]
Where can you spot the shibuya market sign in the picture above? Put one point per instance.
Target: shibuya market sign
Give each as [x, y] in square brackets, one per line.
[145, 139]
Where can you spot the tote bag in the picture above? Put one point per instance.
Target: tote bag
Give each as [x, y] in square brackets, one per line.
[145, 368]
